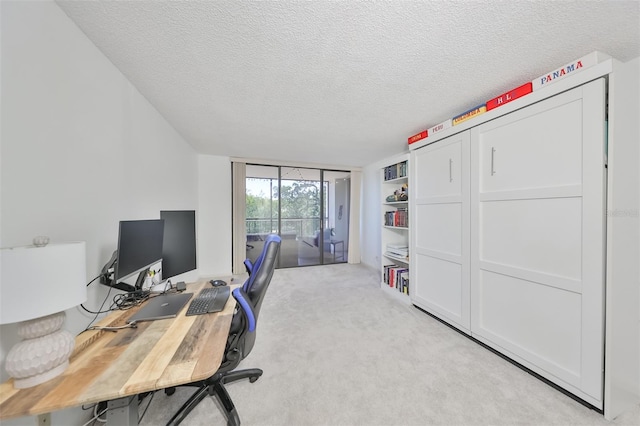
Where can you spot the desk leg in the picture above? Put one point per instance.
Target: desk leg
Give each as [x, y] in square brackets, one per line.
[123, 411]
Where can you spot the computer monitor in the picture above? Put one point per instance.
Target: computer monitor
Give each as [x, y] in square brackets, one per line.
[139, 247]
[179, 244]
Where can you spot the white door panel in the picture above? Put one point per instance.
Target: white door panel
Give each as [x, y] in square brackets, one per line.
[537, 237]
[540, 150]
[544, 323]
[439, 168]
[440, 231]
[543, 235]
[438, 227]
[440, 286]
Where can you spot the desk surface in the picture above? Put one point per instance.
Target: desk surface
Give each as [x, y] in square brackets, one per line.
[107, 365]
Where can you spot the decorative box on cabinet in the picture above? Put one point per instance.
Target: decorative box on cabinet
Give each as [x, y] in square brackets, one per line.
[395, 228]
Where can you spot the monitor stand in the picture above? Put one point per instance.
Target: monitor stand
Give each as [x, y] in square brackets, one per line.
[124, 287]
[141, 277]
[161, 287]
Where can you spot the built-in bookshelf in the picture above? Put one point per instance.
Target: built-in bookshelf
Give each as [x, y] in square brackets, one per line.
[394, 266]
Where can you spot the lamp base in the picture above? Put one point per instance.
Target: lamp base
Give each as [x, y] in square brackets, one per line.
[43, 355]
[29, 382]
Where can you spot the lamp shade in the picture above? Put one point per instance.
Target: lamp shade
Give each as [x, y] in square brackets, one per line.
[38, 281]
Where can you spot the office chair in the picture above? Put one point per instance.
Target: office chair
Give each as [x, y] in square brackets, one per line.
[242, 336]
[250, 266]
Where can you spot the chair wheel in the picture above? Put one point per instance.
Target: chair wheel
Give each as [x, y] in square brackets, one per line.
[253, 378]
[169, 391]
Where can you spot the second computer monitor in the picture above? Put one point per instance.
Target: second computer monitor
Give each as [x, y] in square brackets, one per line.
[179, 242]
[139, 247]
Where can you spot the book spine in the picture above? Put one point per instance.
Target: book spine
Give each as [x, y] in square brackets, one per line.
[386, 271]
[440, 127]
[505, 98]
[398, 278]
[418, 137]
[572, 67]
[395, 171]
[467, 115]
[398, 218]
[404, 279]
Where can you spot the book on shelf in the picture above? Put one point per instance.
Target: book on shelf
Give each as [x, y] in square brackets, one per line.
[399, 218]
[385, 272]
[401, 258]
[397, 245]
[404, 282]
[397, 250]
[397, 277]
[395, 171]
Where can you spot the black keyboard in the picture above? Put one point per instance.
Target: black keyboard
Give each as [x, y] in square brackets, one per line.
[210, 299]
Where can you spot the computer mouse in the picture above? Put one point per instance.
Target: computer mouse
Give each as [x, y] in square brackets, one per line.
[217, 283]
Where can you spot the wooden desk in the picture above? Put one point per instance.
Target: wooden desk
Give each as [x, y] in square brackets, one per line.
[107, 365]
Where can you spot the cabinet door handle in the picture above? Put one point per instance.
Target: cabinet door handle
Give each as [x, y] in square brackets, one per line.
[493, 170]
[450, 170]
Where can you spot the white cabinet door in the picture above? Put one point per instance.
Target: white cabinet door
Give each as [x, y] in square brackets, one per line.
[537, 237]
[440, 231]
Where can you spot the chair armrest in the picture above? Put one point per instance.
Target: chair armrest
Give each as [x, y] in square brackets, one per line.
[248, 265]
[242, 298]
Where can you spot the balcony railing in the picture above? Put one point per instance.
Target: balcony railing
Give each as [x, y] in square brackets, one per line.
[301, 226]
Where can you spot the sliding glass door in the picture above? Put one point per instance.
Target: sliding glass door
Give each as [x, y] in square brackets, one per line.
[300, 195]
[308, 208]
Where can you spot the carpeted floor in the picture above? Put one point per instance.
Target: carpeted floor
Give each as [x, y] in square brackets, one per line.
[336, 350]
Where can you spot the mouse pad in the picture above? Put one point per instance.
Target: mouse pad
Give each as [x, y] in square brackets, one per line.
[161, 307]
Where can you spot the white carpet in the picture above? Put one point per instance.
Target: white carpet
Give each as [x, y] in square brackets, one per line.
[336, 350]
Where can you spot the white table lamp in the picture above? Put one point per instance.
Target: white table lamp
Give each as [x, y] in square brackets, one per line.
[37, 284]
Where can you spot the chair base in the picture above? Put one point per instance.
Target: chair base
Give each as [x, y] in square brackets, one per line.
[214, 386]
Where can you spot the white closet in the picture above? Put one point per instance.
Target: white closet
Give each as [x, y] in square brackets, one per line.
[510, 230]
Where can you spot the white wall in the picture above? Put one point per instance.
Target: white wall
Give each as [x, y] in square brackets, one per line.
[622, 356]
[371, 222]
[80, 150]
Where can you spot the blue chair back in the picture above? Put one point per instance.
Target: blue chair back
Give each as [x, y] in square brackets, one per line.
[243, 324]
[256, 265]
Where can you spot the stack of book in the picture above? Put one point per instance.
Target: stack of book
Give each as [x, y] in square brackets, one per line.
[398, 251]
[396, 171]
[399, 217]
[397, 277]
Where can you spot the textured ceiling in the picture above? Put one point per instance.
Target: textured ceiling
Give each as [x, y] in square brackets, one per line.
[339, 82]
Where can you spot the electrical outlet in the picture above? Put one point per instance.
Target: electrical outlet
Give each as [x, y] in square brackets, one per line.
[44, 419]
